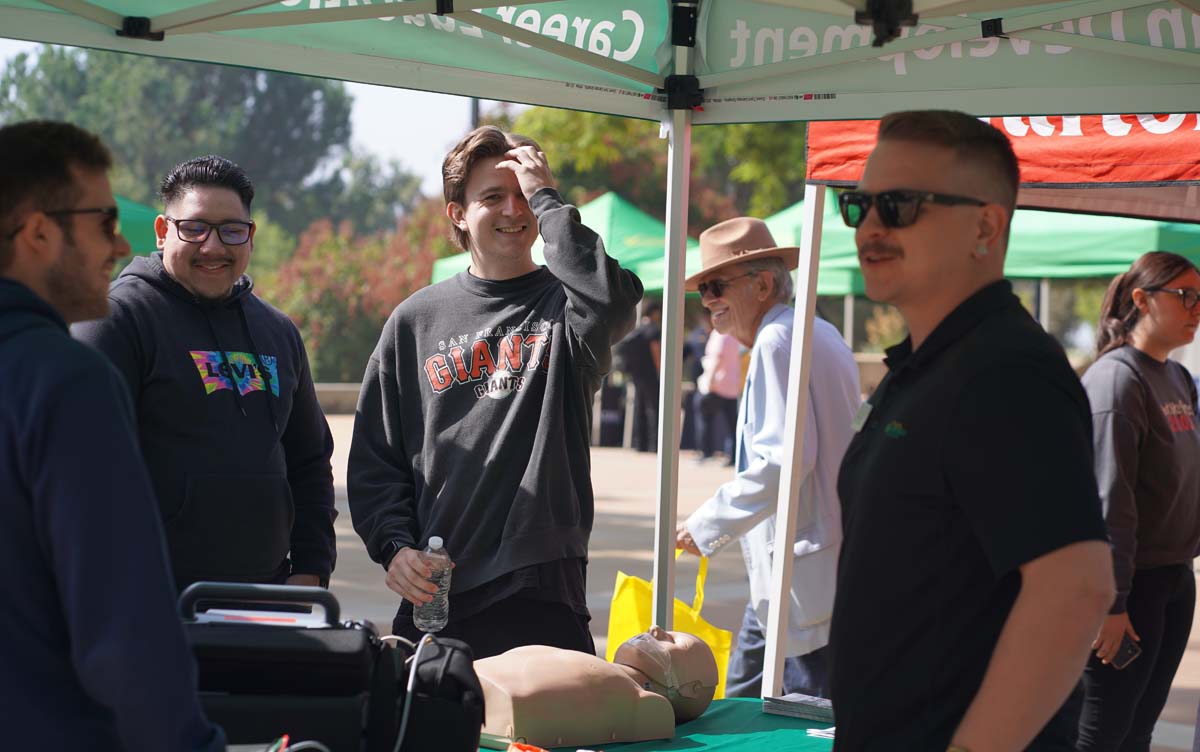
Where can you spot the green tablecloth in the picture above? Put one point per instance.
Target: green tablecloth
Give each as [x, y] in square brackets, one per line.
[736, 725]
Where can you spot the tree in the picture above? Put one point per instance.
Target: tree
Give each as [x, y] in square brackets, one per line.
[755, 169]
[290, 133]
[340, 289]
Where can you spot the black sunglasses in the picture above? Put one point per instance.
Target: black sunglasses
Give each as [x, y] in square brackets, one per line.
[111, 213]
[1189, 297]
[716, 287]
[197, 230]
[898, 208]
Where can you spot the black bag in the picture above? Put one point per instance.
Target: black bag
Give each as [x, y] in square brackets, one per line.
[444, 711]
[336, 685]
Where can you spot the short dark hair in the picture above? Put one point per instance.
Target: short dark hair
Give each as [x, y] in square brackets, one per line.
[210, 171]
[484, 142]
[971, 139]
[39, 157]
[1118, 314]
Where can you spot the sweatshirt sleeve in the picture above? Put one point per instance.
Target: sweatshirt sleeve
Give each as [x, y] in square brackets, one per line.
[601, 296]
[379, 475]
[753, 494]
[116, 337]
[1118, 426]
[308, 447]
[125, 637]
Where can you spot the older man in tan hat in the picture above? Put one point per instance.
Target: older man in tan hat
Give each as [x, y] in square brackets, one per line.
[746, 285]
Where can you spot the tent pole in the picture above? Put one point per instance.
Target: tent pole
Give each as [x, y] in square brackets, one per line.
[848, 319]
[678, 128]
[1043, 313]
[794, 421]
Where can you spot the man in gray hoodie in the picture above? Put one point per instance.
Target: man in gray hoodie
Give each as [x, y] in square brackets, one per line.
[475, 410]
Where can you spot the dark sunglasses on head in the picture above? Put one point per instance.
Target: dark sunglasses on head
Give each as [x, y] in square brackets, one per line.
[716, 287]
[898, 208]
[197, 230]
[1189, 297]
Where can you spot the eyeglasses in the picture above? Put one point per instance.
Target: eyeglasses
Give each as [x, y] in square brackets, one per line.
[111, 216]
[898, 208]
[716, 287]
[197, 230]
[1189, 297]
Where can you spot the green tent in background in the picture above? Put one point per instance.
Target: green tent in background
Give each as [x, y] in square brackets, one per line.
[137, 225]
[630, 235]
[1046, 245]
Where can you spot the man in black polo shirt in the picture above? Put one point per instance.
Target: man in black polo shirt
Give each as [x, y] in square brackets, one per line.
[975, 571]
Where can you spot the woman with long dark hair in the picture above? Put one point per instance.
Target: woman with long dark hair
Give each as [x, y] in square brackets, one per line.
[1148, 469]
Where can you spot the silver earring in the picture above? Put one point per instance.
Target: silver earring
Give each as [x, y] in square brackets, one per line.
[981, 250]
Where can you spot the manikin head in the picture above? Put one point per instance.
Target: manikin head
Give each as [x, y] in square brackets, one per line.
[677, 665]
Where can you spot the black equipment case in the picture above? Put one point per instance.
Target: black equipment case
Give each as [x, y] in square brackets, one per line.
[335, 683]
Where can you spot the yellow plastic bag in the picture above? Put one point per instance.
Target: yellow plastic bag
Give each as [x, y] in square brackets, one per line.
[630, 614]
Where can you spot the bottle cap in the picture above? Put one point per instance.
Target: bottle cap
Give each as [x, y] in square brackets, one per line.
[435, 543]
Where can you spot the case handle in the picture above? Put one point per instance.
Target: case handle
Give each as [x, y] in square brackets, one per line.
[251, 592]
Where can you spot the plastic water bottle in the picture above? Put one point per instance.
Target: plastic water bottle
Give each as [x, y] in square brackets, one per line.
[432, 616]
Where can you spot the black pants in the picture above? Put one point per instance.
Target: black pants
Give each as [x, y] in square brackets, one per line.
[807, 674]
[1121, 707]
[645, 415]
[718, 417]
[511, 623]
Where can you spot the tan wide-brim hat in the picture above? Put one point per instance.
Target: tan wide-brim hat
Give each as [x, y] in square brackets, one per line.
[735, 241]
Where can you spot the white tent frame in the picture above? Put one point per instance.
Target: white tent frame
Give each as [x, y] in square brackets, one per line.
[194, 34]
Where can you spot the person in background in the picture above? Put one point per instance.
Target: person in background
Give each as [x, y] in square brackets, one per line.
[746, 284]
[1148, 469]
[719, 386]
[693, 355]
[92, 651]
[640, 354]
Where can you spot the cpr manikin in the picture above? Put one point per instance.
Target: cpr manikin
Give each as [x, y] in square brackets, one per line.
[552, 697]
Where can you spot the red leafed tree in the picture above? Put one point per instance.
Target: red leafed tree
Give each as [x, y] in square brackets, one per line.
[340, 288]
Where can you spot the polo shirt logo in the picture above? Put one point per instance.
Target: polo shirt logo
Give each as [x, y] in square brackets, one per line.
[895, 430]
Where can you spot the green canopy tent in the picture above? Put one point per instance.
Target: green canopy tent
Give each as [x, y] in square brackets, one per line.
[630, 235]
[137, 225]
[683, 62]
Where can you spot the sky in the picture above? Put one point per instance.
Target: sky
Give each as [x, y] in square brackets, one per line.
[387, 122]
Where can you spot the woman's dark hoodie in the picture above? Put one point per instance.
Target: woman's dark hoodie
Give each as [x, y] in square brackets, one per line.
[237, 446]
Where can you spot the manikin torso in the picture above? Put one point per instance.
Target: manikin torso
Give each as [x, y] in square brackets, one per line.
[554, 698]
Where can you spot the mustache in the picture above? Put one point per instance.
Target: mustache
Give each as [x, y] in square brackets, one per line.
[879, 248]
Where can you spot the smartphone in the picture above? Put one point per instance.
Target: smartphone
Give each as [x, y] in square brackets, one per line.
[1127, 651]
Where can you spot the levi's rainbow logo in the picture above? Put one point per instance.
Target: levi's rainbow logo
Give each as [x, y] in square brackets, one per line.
[237, 370]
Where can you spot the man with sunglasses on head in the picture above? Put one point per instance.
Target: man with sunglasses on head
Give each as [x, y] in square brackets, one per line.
[975, 570]
[92, 649]
[746, 285]
[237, 445]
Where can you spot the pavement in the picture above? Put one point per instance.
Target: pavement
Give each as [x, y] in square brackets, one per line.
[625, 485]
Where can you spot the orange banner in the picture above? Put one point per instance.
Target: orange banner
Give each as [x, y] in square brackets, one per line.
[1061, 151]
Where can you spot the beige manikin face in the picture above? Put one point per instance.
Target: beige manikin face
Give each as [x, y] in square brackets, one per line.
[680, 664]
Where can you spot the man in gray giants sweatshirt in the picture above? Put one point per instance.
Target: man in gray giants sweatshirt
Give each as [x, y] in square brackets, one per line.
[475, 410]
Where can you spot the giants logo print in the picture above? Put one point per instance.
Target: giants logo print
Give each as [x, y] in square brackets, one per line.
[497, 366]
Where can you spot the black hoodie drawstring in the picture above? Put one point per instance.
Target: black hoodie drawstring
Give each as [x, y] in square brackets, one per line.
[237, 393]
[262, 372]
